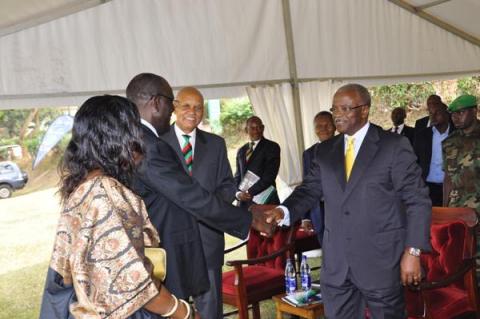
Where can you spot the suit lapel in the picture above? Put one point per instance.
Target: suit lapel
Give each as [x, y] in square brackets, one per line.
[256, 151]
[365, 155]
[199, 150]
[171, 138]
[336, 157]
[429, 144]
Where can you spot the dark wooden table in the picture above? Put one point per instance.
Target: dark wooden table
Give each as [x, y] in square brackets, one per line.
[314, 311]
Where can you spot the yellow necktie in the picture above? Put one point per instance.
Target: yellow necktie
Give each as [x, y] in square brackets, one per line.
[349, 156]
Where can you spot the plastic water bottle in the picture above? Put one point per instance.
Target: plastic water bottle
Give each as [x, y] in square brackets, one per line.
[305, 274]
[290, 278]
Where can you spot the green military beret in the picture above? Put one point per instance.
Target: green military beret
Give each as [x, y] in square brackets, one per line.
[462, 102]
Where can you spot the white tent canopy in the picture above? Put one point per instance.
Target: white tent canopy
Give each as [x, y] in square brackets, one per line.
[296, 52]
[225, 45]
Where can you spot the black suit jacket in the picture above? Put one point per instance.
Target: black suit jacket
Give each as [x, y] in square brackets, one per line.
[369, 220]
[175, 203]
[423, 148]
[421, 124]
[408, 132]
[212, 170]
[264, 162]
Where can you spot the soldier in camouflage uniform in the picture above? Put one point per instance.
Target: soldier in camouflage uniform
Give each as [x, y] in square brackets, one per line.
[461, 151]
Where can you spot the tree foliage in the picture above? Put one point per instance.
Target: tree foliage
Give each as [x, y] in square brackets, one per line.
[406, 95]
[470, 85]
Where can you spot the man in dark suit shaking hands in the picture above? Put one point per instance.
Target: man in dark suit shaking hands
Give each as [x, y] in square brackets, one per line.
[261, 157]
[176, 202]
[377, 212]
[204, 156]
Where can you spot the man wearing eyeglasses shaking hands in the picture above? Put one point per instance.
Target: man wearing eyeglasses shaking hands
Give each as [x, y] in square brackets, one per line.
[377, 212]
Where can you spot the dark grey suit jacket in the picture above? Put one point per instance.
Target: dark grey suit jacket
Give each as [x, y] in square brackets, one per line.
[372, 218]
[212, 170]
[175, 203]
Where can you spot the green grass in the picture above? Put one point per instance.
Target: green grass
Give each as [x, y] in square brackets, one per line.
[21, 292]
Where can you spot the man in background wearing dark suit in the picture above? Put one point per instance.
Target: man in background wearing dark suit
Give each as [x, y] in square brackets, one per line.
[377, 212]
[424, 122]
[261, 157]
[325, 130]
[204, 156]
[175, 202]
[398, 119]
[428, 148]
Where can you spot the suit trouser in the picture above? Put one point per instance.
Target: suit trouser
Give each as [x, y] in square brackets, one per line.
[350, 301]
[436, 193]
[210, 304]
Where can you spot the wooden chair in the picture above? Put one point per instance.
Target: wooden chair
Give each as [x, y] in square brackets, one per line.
[449, 288]
[261, 275]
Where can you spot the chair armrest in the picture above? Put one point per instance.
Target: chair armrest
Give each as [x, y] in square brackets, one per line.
[260, 259]
[466, 266]
[235, 247]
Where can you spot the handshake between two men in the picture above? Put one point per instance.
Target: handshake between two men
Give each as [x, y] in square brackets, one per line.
[265, 218]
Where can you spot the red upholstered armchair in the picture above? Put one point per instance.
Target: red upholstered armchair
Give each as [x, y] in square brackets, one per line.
[449, 289]
[261, 276]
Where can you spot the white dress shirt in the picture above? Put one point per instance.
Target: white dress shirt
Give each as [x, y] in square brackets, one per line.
[359, 137]
[150, 126]
[181, 140]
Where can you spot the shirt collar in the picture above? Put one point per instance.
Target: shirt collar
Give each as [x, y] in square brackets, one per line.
[150, 126]
[400, 127]
[360, 134]
[437, 132]
[179, 132]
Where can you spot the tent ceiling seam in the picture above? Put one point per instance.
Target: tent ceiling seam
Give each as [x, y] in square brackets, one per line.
[41, 18]
[240, 84]
[438, 22]
[431, 4]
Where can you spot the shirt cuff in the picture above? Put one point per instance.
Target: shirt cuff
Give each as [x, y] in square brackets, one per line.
[286, 216]
[237, 195]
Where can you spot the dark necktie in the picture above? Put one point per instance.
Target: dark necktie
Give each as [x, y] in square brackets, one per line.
[249, 152]
[397, 130]
[187, 153]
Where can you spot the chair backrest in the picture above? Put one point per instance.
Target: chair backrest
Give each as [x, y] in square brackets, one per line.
[453, 243]
[259, 246]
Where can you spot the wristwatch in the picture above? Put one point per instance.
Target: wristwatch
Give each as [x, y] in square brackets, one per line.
[414, 251]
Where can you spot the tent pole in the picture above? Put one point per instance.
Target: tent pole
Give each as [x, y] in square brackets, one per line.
[292, 65]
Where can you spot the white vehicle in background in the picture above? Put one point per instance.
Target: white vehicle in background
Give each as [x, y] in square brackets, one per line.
[11, 178]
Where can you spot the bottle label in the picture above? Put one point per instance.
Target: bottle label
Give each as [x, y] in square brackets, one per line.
[306, 282]
[290, 285]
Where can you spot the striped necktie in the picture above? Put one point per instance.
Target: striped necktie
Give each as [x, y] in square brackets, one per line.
[187, 153]
[249, 152]
[349, 156]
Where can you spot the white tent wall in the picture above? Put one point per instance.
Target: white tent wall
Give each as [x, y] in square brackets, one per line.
[274, 105]
[224, 46]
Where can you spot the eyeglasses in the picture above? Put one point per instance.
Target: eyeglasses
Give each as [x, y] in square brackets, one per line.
[344, 108]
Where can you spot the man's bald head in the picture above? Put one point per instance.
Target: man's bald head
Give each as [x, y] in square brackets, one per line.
[188, 109]
[153, 97]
